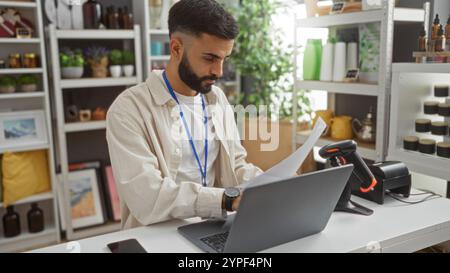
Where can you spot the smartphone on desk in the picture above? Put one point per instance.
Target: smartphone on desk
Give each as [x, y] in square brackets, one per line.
[126, 246]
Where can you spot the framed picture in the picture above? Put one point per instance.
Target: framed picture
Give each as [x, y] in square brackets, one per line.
[113, 195]
[22, 129]
[85, 199]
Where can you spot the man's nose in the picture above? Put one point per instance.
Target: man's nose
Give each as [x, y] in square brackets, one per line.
[217, 69]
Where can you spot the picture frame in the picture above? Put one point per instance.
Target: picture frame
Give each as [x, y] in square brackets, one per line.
[352, 75]
[113, 194]
[24, 128]
[86, 203]
[337, 8]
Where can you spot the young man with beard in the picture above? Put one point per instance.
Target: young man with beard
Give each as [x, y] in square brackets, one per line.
[174, 148]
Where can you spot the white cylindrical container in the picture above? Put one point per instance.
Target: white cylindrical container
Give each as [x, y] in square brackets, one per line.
[340, 58]
[326, 67]
[352, 56]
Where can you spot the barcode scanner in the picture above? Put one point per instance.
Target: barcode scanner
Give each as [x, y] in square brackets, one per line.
[342, 153]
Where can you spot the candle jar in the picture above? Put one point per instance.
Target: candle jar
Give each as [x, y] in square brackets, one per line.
[30, 60]
[14, 61]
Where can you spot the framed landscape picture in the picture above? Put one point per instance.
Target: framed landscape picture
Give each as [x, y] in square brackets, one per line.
[85, 199]
[22, 129]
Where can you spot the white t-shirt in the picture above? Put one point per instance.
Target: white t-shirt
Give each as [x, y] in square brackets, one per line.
[189, 169]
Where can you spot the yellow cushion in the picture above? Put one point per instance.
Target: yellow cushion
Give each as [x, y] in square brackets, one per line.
[24, 174]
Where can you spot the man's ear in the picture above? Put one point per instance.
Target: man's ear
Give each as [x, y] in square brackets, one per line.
[176, 48]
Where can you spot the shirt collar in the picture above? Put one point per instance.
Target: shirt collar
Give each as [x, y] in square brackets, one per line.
[160, 93]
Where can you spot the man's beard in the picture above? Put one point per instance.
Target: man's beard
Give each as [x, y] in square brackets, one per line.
[188, 76]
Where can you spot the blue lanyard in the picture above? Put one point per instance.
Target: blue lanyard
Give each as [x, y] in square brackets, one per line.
[186, 127]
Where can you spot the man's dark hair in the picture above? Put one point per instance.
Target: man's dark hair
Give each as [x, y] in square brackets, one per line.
[202, 16]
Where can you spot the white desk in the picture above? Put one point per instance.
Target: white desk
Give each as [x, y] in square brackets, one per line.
[394, 227]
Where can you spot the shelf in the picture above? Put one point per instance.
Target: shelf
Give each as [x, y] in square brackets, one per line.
[160, 58]
[98, 82]
[18, 95]
[158, 32]
[28, 240]
[32, 199]
[21, 70]
[366, 151]
[431, 165]
[421, 68]
[17, 4]
[341, 88]
[84, 126]
[96, 230]
[100, 34]
[19, 41]
[31, 147]
[360, 17]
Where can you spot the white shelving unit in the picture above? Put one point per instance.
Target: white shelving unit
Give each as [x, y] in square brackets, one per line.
[21, 71]
[38, 100]
[141, 10]
[387, 17]
[63, 128]
[412, 85]
[84, 83]
[16, 4]
[19, 41]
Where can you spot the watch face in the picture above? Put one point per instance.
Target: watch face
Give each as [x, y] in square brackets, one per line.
[232, 192]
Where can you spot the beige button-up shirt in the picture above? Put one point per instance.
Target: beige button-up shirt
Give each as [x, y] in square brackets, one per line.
[143, 133]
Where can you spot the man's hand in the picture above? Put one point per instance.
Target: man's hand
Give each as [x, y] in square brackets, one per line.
[236, 202]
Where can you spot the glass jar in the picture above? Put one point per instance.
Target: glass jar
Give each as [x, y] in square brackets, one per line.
[30, 60]
[15, 61]
[155, 14]
[2, 64]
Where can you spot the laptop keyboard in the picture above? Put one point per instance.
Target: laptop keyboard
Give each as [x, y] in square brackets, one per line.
[216, 241]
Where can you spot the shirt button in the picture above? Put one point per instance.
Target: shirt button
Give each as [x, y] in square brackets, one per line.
[177, 151]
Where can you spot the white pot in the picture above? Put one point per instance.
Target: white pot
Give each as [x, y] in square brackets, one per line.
[128, 70]
[28, 87]
[374, 4]
[72, 72]
[115, 70]
[7, 89]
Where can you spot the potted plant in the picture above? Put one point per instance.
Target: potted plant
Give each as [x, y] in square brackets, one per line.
[128, 63]
[115, 59]
[97, 57]
[72, 63]
[267, 68]
[28, 83]
[7, 84]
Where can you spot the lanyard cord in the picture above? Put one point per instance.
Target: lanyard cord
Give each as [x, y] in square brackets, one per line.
[186, 127]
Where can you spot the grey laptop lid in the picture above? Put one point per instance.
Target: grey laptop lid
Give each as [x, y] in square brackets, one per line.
[284, 211]
[277, 212]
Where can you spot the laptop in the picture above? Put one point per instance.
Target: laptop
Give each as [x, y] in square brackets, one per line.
[273, 213]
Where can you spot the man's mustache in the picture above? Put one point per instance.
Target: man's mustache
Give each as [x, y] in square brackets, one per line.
[211, 78]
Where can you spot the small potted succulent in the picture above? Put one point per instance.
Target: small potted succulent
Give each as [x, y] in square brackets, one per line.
[27, 83]
[97, 57]
[115, 59]
[7, 84]
[128, 63]
[72, 63]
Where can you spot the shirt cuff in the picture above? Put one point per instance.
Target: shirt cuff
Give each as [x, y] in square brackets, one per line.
[209, 203]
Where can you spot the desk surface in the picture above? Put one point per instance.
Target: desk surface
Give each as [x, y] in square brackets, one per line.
[394, 227]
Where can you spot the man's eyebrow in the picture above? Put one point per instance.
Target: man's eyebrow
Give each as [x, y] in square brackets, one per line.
[215, 56]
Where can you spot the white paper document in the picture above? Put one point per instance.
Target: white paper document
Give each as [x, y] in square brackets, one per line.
[289, 166]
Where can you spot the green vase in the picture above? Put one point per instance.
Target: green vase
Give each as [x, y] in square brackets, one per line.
[312, 60]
